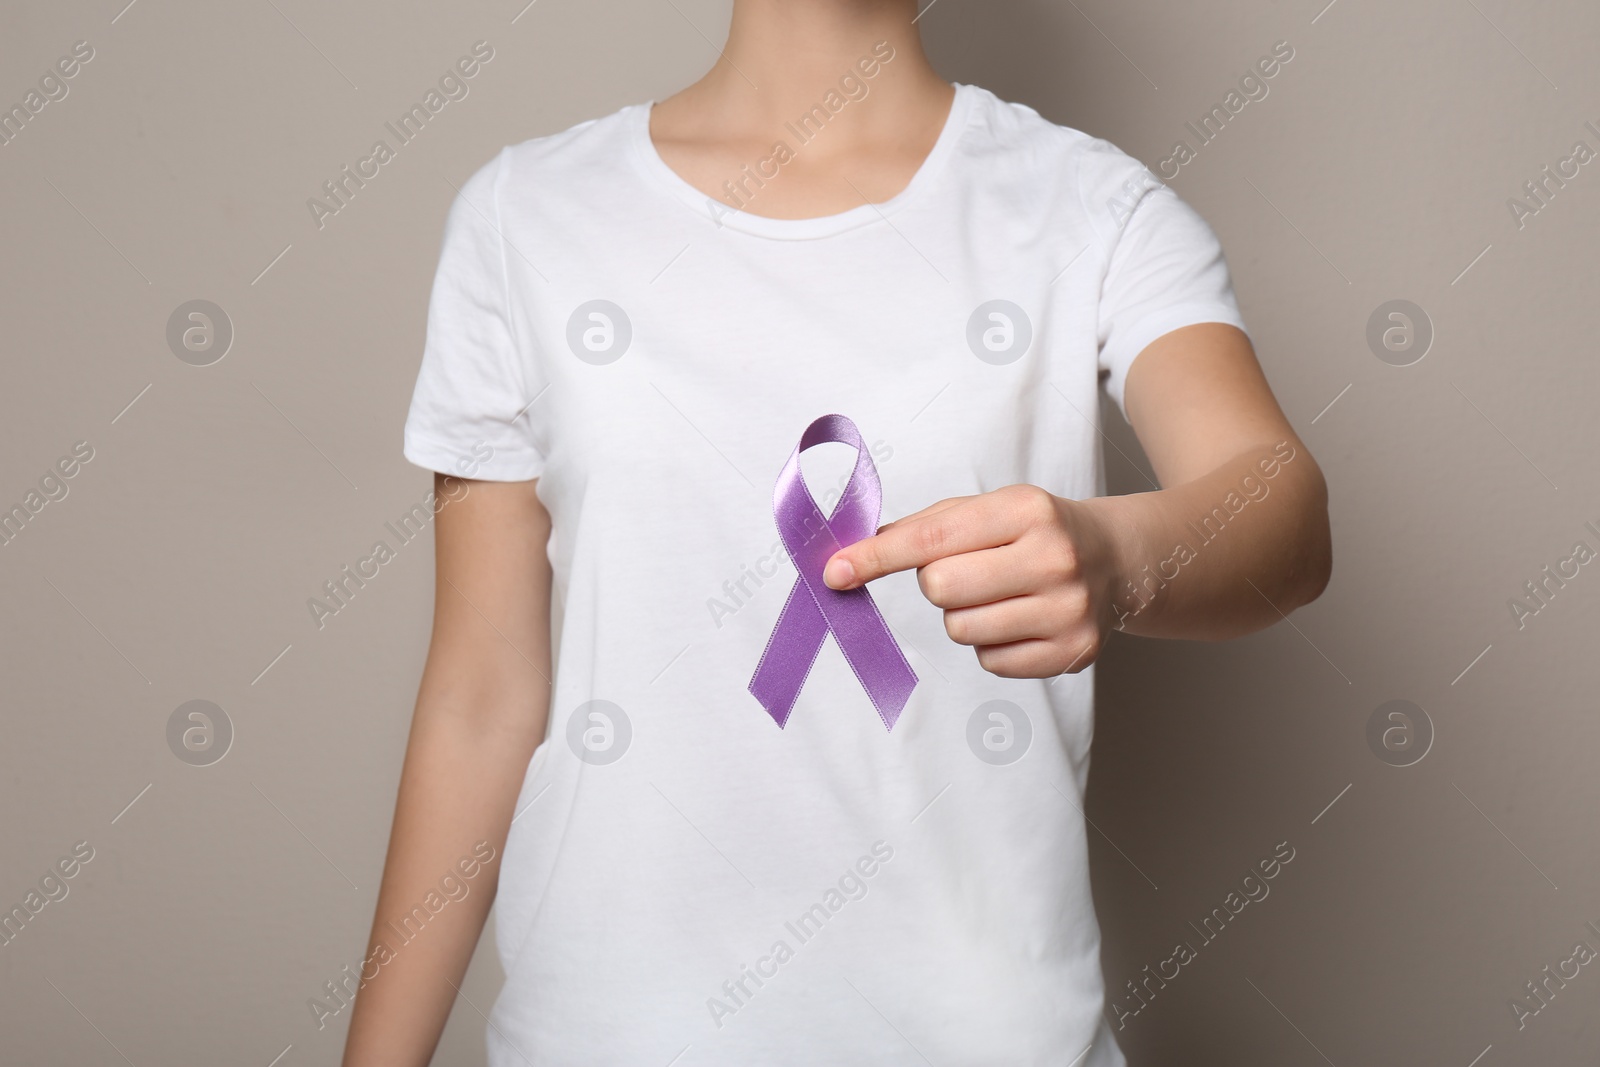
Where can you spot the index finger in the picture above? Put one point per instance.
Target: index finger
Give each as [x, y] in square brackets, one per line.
[948, 502]
[969, 525]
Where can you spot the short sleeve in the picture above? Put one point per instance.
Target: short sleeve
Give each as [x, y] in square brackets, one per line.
[469, 410]
[1164, 266]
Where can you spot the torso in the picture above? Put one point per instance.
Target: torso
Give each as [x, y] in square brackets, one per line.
[673, 352]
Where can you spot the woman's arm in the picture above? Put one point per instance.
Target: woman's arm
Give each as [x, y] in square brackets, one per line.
[1236, 538]
[481, 712]
[1245, 496]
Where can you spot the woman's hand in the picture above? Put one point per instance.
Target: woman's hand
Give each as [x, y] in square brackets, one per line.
[1236, 539]
[1024, 577]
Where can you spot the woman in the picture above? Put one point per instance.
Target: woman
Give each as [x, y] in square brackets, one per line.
[733, 819]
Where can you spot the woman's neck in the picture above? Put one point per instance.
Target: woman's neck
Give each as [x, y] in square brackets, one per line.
[853, 67]
[783, 55]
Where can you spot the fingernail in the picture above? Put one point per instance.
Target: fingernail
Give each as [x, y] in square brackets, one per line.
[838, 574]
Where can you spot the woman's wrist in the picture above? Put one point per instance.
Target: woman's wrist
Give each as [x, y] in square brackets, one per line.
[1126, 528]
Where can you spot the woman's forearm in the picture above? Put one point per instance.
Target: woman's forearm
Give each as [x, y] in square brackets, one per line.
[1225, 554]
[459, 784]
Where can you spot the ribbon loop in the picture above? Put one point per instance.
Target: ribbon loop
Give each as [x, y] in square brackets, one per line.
[813, 610]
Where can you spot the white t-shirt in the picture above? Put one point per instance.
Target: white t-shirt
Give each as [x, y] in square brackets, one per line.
[686, 879]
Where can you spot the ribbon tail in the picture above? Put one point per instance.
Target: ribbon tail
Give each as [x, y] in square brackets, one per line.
[872, 652]
[791, 652]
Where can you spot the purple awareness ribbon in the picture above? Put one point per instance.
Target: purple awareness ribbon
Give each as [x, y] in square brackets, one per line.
[813, 610]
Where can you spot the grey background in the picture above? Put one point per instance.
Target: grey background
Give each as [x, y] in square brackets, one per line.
[179, 564]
